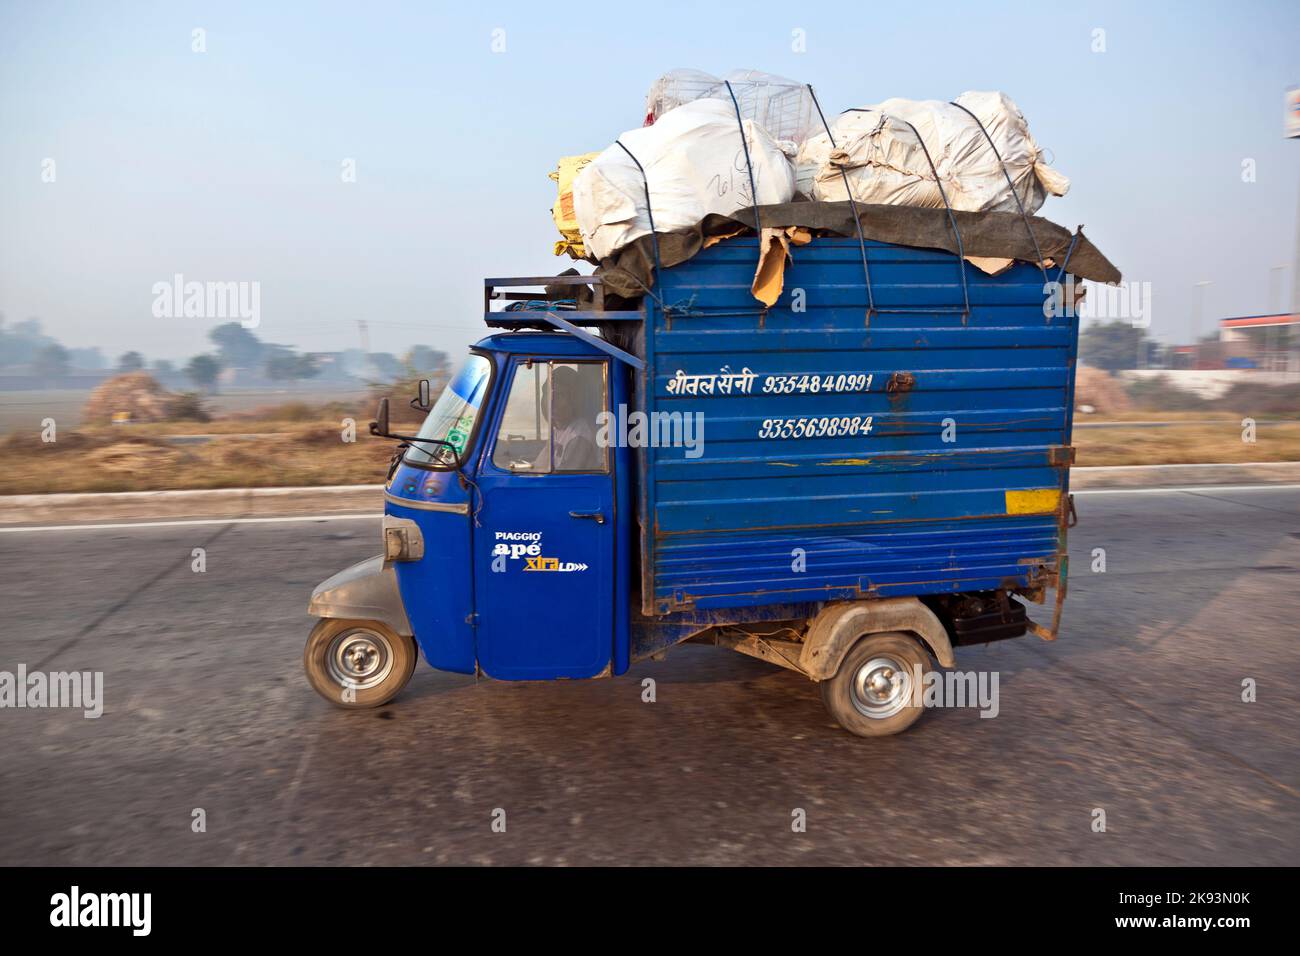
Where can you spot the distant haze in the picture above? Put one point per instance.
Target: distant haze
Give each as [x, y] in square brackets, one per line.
[227, 165]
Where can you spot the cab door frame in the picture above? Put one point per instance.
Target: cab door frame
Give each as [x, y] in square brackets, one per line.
[551, 504]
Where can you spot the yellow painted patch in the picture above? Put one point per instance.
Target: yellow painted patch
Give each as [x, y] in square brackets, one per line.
[1039, 501]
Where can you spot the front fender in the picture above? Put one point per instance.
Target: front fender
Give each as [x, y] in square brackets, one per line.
[367, 591]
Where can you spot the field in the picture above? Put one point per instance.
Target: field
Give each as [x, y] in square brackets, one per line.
[21, 410]
[261, 440]
[1198, 441]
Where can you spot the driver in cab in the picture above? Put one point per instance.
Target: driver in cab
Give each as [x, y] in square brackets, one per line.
[573, 425]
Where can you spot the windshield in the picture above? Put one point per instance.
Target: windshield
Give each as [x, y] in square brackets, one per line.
[452, 417]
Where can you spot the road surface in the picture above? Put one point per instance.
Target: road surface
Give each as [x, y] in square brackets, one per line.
[1136, 711]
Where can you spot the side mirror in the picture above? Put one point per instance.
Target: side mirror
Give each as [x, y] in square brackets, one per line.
[380, 426]
[421, 401]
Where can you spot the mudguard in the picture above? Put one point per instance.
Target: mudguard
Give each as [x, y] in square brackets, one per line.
[367, 591]
[839, 626]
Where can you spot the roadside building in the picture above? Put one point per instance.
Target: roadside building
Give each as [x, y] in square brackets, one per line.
[1269, 343]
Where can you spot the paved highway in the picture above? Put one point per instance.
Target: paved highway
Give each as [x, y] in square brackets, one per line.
[1136, 711]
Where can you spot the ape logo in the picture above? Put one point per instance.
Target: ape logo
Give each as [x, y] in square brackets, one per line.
[514, 545]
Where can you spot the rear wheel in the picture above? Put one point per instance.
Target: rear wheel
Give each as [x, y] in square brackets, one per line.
[358, 664]
[876, 691]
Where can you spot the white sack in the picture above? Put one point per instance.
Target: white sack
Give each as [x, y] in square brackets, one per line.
[886, 164]
[695, 162]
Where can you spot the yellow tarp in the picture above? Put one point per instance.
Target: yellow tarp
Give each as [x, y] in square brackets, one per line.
[562, 212]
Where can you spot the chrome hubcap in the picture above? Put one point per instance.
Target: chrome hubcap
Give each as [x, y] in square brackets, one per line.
[360, 658]
[881, 687]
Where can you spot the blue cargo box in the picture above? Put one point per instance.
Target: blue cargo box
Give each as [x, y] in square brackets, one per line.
[917, 448]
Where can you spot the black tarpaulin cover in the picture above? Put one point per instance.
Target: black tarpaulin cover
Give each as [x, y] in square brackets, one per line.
[995, 235]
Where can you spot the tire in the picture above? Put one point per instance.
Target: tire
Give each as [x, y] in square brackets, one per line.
[871, 695]
[358, 664]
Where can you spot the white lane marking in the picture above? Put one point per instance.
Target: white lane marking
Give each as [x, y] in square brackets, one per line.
[128, 525]
[373, 516]
[1190, 489]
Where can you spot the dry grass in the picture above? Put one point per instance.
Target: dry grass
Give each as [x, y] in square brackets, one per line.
[302, 445]
[292, 443]
[1100, 390]
[118, 459]
[1157, 415]
[1190, 444]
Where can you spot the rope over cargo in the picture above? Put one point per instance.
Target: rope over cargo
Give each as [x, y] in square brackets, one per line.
[853, 208]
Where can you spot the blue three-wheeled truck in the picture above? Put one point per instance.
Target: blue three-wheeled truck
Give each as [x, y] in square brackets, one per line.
[847, 484]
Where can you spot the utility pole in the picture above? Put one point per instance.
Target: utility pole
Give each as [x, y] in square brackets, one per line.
[1200, 310]
[1295, 267]
[1292, 131]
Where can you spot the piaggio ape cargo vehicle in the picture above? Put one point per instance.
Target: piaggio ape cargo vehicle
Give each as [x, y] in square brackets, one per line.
[882, 471]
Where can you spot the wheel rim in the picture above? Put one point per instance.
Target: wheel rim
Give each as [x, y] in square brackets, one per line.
[881, 687]
[359, 658]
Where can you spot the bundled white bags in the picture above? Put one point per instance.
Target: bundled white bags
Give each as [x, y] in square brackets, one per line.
[885, 163]
[694, 157]
[694, 160]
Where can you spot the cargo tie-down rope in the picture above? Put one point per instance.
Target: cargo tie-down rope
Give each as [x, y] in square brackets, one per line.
[1015, 195]
[753, 189]
[654, 236]
[645, 182]
[952, 221]
[1060, 273]
[853, 208]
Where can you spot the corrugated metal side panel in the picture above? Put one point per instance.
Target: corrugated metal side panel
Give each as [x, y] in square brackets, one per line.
[874, 500]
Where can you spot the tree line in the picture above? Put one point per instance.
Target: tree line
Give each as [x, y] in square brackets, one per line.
[234, 347]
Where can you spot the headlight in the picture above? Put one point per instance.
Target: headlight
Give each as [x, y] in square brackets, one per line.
[402, 540]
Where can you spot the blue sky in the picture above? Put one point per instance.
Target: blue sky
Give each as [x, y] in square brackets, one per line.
[226, 164]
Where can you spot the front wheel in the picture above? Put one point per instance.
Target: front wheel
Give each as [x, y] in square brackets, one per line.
[876, 691]
[358, 664]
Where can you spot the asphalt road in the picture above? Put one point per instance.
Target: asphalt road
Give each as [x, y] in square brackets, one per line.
[1136, 710]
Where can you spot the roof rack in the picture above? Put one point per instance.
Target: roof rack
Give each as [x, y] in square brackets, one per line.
[566, 320]
[532, 318]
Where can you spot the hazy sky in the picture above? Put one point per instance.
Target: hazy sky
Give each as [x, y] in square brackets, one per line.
[225, 165]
